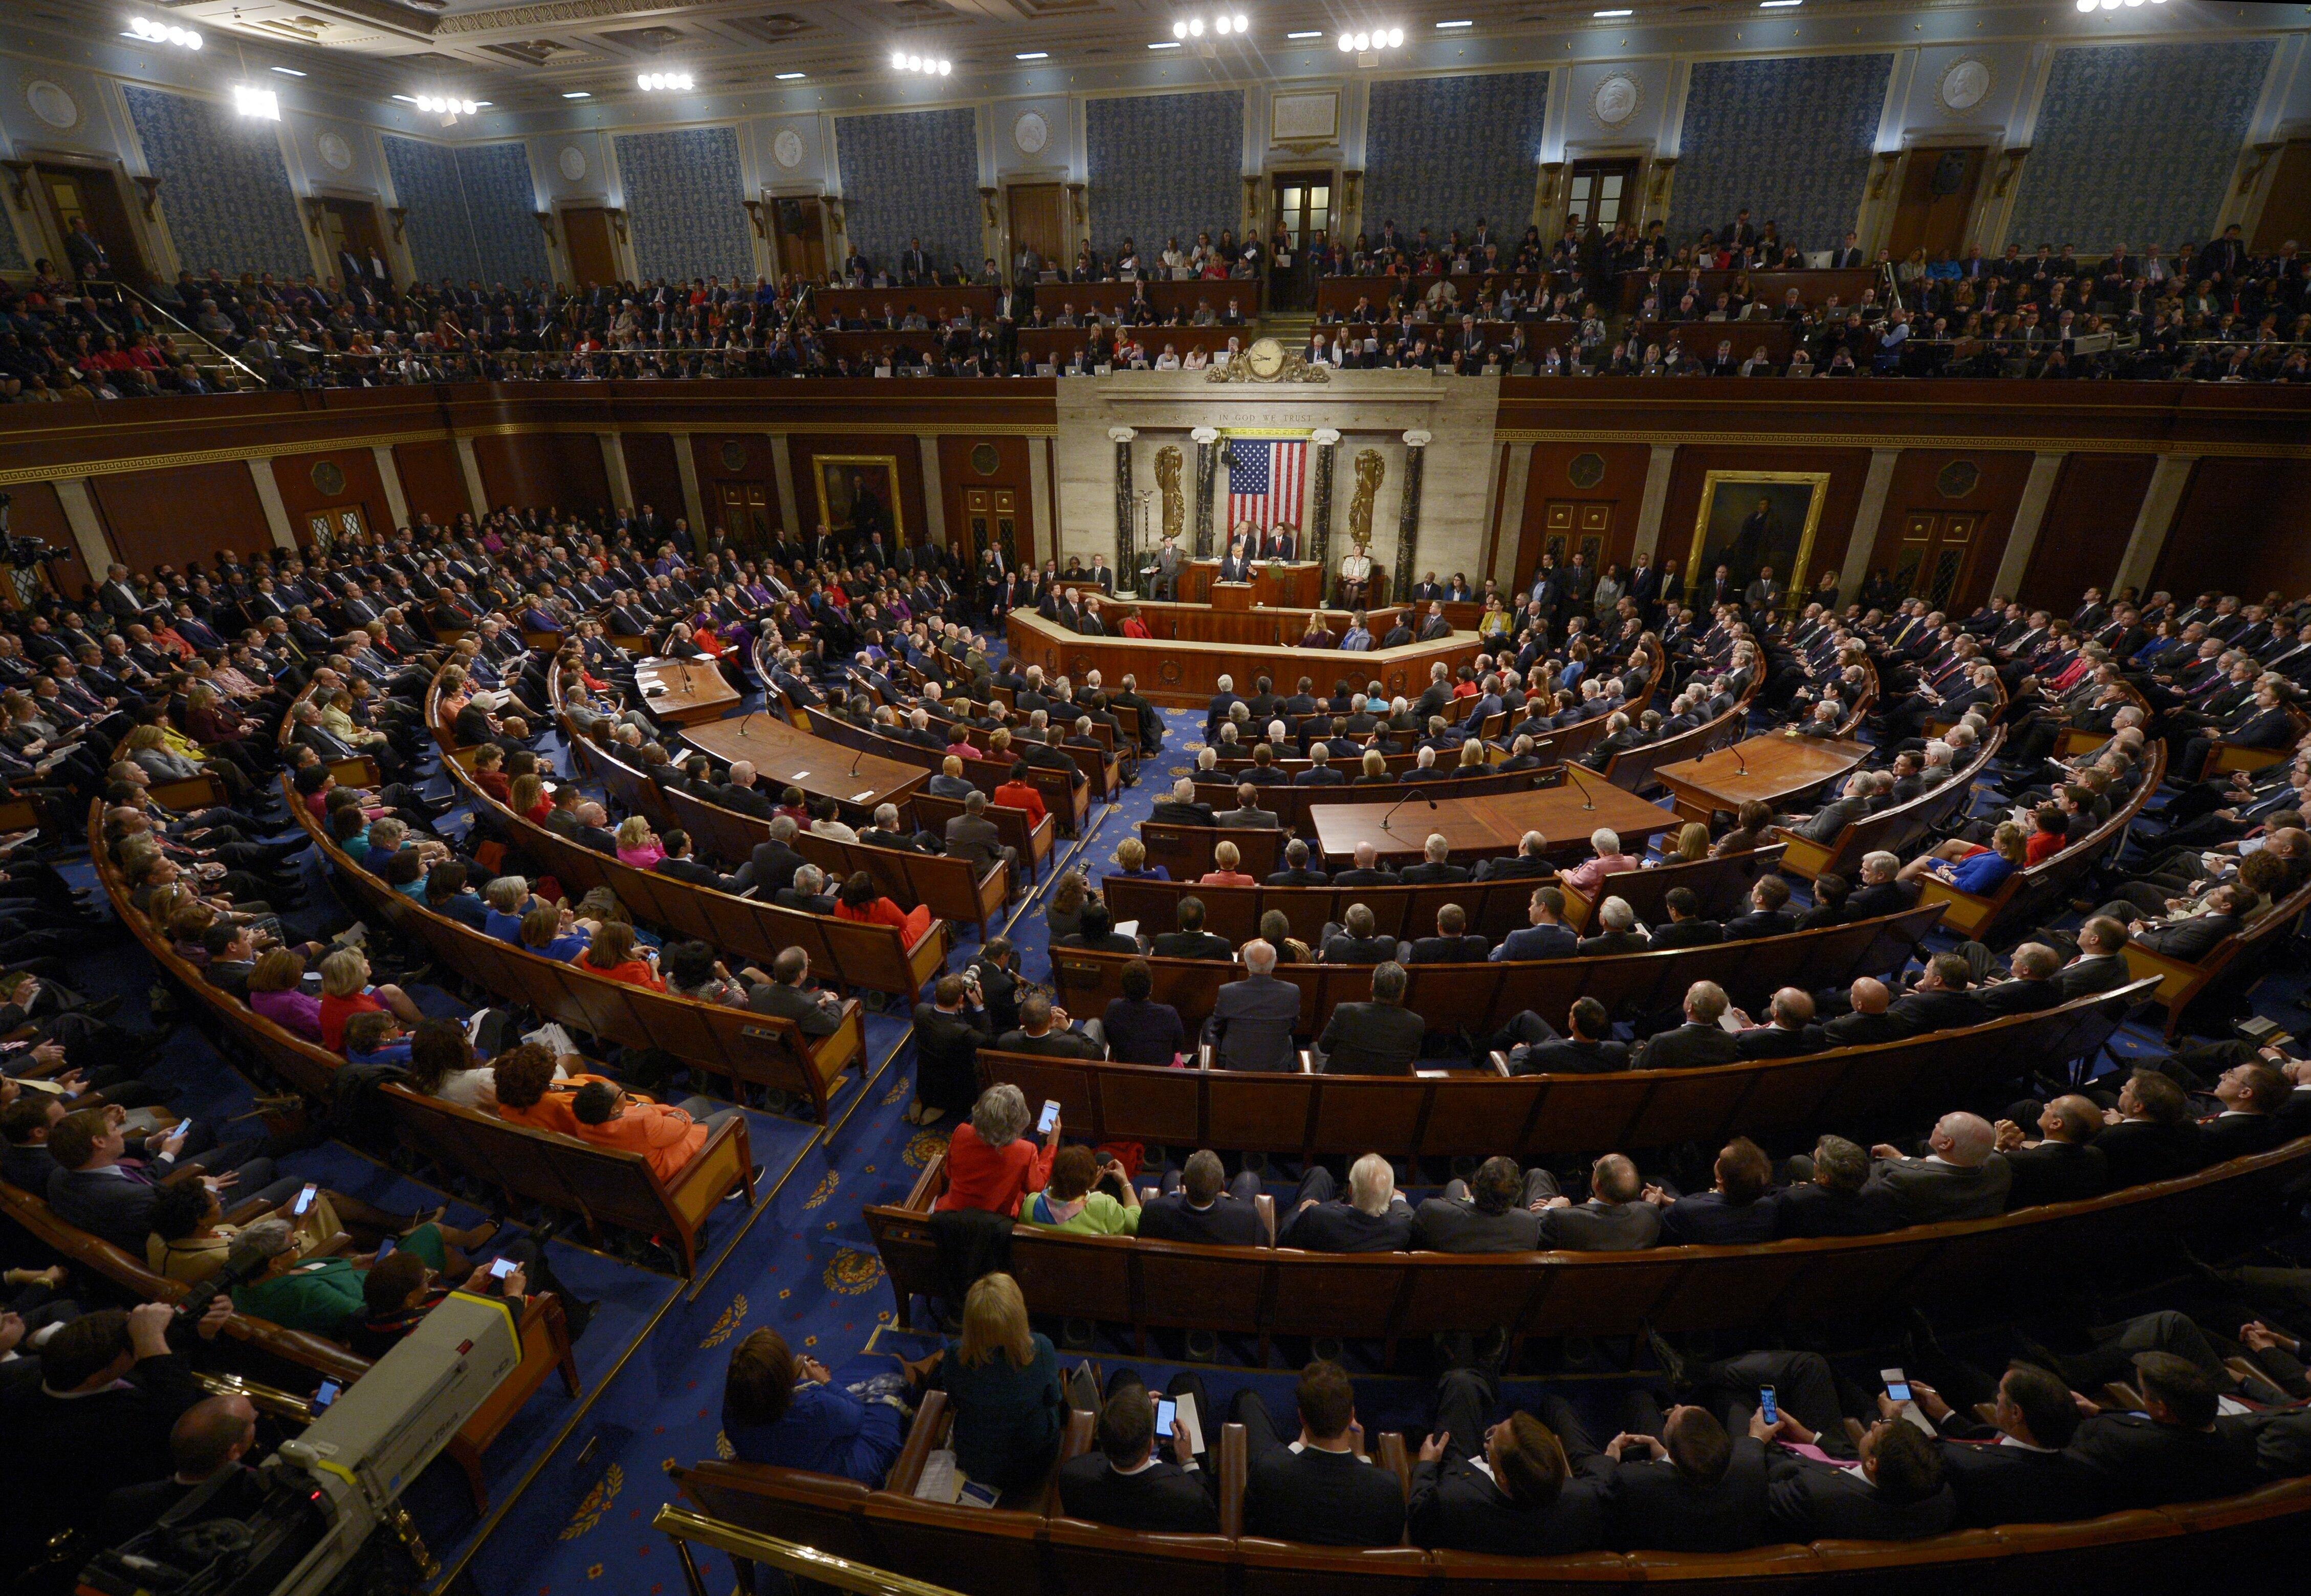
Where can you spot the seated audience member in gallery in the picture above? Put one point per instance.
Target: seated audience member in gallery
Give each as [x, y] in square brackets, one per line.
[791, 1411]
[1002, 1379]
[989, 1163]
[1077, 1198]
[1135, 1479]
[1324, 1489]
[1139, 1030]
[1200, 1204]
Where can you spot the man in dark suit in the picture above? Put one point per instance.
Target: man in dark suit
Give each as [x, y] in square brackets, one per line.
[1328, 1492]
[2194, 937]
[1320, 771]
[1769, 914]
[1788, 1031]
[2101, 964]
[1436, 866]
[1588, 1049]
[1355, 943]
[1899, 1493]
[1495, 1211]
[2017, 1469]
[1546, 937]
[1699, 1041]
[678, 864]
[1045, 1031]
[949, 1031]
[1685, 927]
[2063, 1166]
[1366, 870]
[1381, 1037]
[815, 1013]
[2153, 1136]
[1735, 1211]
[2169, 1452]
[1616, 1218]
[2252, 1095]
[1295, 871]
[1522, 1501]
[1837, 1199]
[1962, 1176]
[1125, 1485]
[1939, 999]
[1453, 944]
[1530, 861]
[1182, 807]
[1681, 1484]
[774, 863]
[1189, 939]
[95, 1187]
[1253, 1020]
[1374, 1217]
[1201, 1208]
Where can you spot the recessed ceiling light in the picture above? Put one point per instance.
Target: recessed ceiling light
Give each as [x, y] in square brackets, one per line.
[1623, 12]
[1167, 44]
[1777, 4]
[411, 100]
[1033, 56]
[788, 77]
[1463, 23]
[1307, 33]
[288, 71]
[572, 95]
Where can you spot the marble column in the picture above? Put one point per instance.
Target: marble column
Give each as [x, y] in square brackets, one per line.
[1122, 437]
[1206, 462]
[1508, 515]
[2029, 517]
[389, 476]
[87, 526]
[1408, 520]
[934, 492]
[1319, 519]
[1651, 507]
[614, 470]
[1869, 516]
[268, 495]
[475, 495]
[2154, 520]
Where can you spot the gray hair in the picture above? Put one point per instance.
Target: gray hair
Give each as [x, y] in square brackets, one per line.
[1617, 914]
[1000, 1115]
[783, 828]
[887, 816]
[809, 880]
[260, 1243]
[1372, 1183]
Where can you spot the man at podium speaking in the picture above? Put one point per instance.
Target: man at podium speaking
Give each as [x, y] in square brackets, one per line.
[1235, 565]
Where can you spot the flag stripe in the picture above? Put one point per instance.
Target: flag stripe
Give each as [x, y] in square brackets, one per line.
[1267, 480]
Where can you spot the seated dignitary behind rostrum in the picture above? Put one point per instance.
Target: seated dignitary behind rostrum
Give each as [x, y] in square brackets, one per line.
[1326, 1491]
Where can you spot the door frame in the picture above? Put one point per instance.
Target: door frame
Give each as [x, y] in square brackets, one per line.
[619, 250]
[153, 256]
[316, 205]
[1991, 186]
[1071, 238]
[780, 266]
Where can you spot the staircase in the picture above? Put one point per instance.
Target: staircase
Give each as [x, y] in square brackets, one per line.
[1288, 327]
[219, 370]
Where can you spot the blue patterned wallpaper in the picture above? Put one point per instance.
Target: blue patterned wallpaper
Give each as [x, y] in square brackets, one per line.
[425, 185]
[225, 187]
[1441, 151]
[912, 174]
[1789, 137]
[12, 253]
[2135, 143]
[501, 210]
[682, 191]
[1164, 165]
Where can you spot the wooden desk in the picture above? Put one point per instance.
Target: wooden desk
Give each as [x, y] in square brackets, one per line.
[784, 756]
[1476, 827]
[1188, 672]
[696, 691]
[1773, 768]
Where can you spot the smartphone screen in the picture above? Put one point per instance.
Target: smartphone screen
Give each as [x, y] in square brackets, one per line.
[384, 1250]
[326, 1395]
[1164, 1410]
[977, 1493]
[502, 1267]
[1050, 1117]
[1765, 1405]
[304, 1202]
[1898, 1384]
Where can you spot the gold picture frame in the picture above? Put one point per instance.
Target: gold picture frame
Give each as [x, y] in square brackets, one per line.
[1718, 538]
[845, 494]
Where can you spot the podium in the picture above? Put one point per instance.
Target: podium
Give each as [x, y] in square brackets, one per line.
[1296, 584]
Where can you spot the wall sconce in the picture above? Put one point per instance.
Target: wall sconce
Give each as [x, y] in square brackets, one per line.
[754, 215]
[148, 194]
[545, 219]
[399, 216]
[314, 211]
[617, 215]
[987, 204]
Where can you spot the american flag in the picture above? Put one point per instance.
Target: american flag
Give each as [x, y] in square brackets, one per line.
[1266, 478]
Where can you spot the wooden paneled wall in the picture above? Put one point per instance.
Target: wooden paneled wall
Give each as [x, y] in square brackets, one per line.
[329, 483]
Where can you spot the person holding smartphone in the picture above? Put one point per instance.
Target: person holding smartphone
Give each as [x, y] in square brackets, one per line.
[1145, 1473]
[404, 1286]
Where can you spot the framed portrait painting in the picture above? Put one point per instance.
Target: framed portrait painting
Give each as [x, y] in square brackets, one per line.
[1752, 521]
[859, 495]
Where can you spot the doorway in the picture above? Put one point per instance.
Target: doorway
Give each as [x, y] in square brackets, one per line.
[1039, 221]
[1565, 528]
[800, 228]
[991, 520]
[593, 247]
[1936, 554]
[1936, 203]
[92, 194]
[351, 225]
[2287, 202]
[742, 509]
[1599, 194]
[1303, 209]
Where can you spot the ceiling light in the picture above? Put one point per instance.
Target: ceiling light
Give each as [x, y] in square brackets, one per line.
[1395, 37]
[1459, 24]
[1164, 45]
[1033, 56]
[1307, 33]
[1363, 41]
[1222, 24]
[408, 100]
[653, 81]
[288, 71]
[261, 103]
[572, 95]
[153, 32]
[1624, 11]
[1784, 4]
[1241, 24]
[1196, 27]
[946, 68]
[1179, 30]
[788, 77]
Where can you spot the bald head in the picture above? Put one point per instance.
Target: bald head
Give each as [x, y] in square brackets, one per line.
[1963, 1139]
[1867, 996]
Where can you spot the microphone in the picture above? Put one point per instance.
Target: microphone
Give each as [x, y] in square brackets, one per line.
[854, 762]
[1735, 749]
[1400, 804]
[1572, 774]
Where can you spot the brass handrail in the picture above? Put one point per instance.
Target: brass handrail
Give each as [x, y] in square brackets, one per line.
[683, 1526]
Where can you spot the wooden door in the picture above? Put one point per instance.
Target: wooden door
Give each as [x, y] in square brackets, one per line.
[350, 224]
[1565, 528]
[1937, 201]
[92, 194]
[800, 229]
[990, 519]
[1602, 193]
[1039, 221]
[1936, 554]
[337, 526]
[2287, 202]
[593, 249]
[742, 509]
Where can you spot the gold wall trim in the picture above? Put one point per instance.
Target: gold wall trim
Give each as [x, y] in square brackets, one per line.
[2005, 443]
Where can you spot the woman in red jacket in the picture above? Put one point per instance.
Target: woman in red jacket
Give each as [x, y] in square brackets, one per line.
[611, 953]
[989, 1164]
[1133, 626]
[859, 900]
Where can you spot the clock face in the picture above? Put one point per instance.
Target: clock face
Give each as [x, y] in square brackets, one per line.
[1265, 357]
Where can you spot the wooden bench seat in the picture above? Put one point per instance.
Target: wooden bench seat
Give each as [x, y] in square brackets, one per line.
[1632, 769]
[2194, 1545]
[735, 1044]
[1475, 1113]
[2029, 895]
[1265, 1292]
[603, 1185]
[1723, 886]
[1480, 999]
[1032, 840]
[1067, 800]
[1897, 829]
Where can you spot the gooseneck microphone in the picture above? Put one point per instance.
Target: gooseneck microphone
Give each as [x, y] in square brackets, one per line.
[855, 761]
[1400, 804]
[1572, 774]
